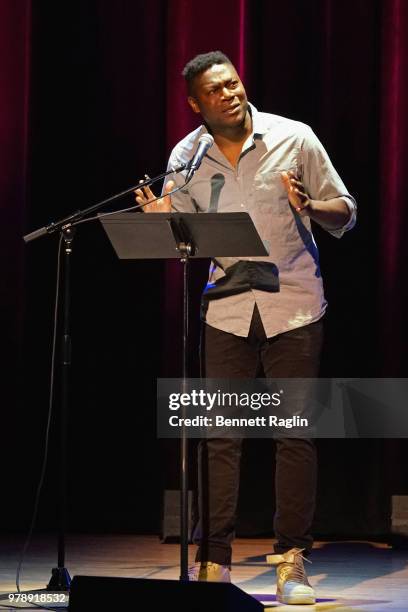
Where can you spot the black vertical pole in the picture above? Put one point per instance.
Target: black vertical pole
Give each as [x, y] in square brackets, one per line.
[60, 579]
[184, 441]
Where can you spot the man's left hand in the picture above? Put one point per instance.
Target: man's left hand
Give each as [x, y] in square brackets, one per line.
[297, 195]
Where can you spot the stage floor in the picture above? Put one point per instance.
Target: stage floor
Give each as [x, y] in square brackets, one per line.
[347, 576]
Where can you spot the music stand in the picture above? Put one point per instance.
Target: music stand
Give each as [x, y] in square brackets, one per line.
[183, 236]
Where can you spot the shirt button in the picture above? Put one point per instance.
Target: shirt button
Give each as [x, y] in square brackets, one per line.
[242, 205]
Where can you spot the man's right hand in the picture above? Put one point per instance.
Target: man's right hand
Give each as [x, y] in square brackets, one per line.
[163, 204]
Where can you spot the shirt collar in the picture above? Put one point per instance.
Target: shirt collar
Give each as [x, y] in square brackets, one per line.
[259, 124]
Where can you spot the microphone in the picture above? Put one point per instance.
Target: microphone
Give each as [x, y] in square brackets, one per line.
[204, 143]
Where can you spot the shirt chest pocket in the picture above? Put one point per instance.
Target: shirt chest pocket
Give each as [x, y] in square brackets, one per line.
[269, 193]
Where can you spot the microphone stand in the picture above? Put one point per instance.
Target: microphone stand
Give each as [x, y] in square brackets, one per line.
[60, 579]
[73, 218]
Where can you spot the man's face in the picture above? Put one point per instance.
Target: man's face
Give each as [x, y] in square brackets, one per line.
[219, 95]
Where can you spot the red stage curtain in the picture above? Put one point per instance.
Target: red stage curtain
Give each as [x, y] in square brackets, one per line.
[394, 199]
[15, 27]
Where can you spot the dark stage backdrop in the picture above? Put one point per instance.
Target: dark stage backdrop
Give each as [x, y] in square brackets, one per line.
[91, 99]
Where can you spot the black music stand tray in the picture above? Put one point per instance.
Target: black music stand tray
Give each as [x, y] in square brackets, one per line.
[183, 236]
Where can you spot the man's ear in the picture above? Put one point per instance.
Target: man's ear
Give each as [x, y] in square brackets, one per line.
[192, 102]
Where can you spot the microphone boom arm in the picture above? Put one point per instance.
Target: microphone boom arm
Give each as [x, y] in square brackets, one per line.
[61, 224]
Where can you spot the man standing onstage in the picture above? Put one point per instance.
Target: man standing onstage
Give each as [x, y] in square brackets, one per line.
[268, 312]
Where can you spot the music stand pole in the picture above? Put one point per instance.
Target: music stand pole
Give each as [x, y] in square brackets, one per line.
[185, 250]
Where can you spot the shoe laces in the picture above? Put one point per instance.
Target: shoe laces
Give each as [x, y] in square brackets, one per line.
[207, 567]
[214, 567]
[294, 571]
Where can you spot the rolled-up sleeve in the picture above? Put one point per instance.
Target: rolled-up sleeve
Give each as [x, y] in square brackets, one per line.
[181, 201]
[321, 180]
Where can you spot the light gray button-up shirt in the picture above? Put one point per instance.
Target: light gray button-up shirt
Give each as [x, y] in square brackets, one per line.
[276, 144]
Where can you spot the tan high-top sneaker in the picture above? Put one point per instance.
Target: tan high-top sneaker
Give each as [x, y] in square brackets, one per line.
[209, 572]
[292, 585]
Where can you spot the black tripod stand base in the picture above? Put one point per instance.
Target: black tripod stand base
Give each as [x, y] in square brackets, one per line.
[60, 580]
